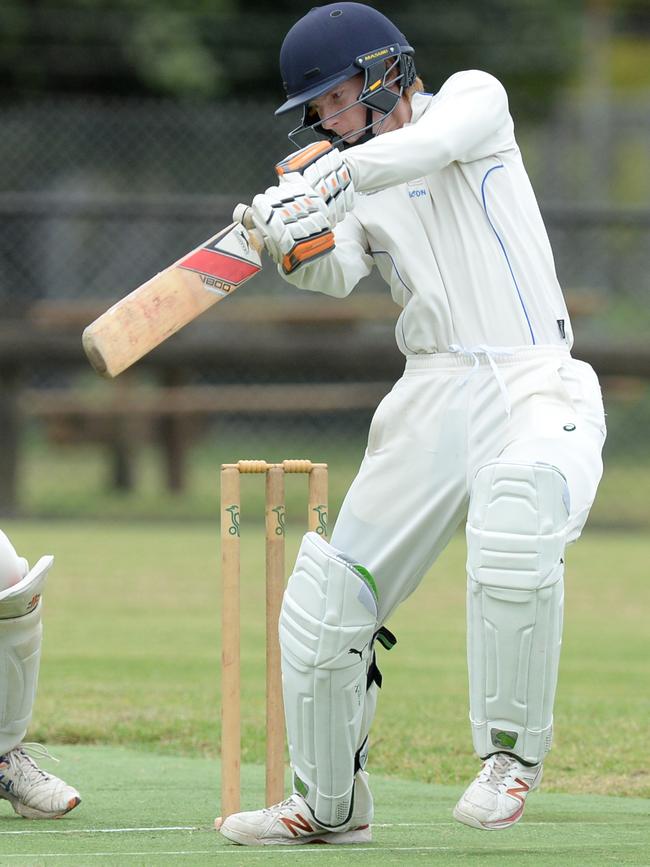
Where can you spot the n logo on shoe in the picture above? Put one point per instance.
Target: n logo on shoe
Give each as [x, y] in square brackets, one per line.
[298, 823]
[519, 792]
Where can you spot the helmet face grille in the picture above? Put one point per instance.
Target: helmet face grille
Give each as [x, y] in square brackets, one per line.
[331, 44]
[383, 86]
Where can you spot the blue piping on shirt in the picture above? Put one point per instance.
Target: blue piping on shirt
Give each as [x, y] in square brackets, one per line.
[505, 253]
[399, 277]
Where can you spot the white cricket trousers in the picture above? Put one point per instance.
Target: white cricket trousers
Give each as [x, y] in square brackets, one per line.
[448, 415]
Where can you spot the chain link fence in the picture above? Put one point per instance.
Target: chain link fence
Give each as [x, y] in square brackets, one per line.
[96, 196]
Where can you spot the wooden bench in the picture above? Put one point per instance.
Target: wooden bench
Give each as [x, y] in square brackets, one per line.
[172, 417]
[171, 413]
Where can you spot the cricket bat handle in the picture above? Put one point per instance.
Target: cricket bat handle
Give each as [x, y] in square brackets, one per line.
[242, 214]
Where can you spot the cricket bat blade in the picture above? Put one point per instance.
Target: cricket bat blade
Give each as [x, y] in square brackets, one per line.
[164, 304]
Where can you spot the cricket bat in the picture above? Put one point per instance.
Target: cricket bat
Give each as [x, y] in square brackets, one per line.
[164, 304]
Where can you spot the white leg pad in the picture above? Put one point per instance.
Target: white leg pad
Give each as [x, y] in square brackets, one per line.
[516, 535]
[20, 653]
[327, 623]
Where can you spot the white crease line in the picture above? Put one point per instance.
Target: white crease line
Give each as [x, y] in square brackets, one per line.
[165, 828]
[286, 850]
[234, 850]
[112, 830]
[525, 823]
[106, 854]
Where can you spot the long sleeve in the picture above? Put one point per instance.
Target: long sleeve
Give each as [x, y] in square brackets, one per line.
[446, 212]
[466, 120]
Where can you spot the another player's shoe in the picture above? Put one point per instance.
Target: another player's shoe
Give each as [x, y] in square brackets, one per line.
[290, 822]
[31, 791]
[496, 798]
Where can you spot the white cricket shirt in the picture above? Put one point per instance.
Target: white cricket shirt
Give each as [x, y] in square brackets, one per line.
[446, 212]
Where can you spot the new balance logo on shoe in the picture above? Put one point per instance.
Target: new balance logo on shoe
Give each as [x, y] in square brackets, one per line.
[293, 824]
[519, 792]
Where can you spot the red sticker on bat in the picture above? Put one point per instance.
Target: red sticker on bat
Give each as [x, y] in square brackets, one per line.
[229, 269]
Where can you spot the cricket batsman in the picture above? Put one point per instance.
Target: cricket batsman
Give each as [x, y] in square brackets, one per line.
[493, 423]
[31, 791]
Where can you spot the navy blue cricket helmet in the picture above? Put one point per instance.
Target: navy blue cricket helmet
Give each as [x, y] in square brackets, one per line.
[335, 42]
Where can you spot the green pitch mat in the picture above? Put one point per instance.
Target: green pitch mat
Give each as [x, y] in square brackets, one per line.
[145, 809]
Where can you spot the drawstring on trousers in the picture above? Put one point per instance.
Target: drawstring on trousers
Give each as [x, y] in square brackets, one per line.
[489, 352]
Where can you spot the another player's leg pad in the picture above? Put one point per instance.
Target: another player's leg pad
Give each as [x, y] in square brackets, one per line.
[516, 532]
[20, 652]
[327, 624]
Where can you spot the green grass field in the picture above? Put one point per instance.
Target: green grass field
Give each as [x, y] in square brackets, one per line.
[129, 691]
[129, 683]
[164, 816]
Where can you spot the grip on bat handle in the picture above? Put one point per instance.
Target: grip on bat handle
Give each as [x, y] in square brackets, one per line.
[242, 215]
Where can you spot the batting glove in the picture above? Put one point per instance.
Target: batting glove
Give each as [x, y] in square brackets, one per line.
[322, 167]
[294, 223]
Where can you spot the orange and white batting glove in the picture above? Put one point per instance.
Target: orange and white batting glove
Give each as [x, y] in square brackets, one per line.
[295, 224]
[321, 166]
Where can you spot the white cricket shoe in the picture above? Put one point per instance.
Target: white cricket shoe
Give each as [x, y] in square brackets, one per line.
[290, 822]
[496, 798]
[31, 791]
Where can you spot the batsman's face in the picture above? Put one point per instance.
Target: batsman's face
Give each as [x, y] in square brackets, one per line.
[341, 113]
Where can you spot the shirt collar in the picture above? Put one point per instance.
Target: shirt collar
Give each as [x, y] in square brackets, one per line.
[420, 102]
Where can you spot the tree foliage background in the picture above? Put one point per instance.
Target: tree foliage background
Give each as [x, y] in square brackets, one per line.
[226, 48]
